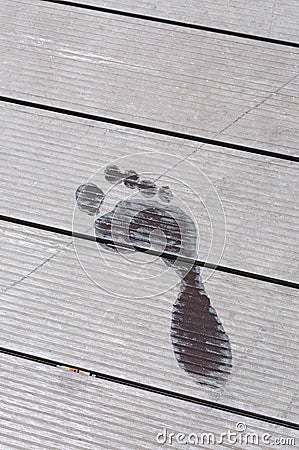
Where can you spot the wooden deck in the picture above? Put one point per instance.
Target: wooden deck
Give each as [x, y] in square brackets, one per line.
[201, 96]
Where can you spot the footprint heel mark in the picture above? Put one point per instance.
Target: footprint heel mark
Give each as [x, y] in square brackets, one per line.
[200, 344]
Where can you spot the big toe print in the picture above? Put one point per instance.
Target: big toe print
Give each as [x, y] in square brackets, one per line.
[200, 344]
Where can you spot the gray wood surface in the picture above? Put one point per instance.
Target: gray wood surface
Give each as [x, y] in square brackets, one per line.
[46, 156]
[51, 408]
[160, 75]
[84, 306]
[117, 320]
[25, 261]
[271, 18]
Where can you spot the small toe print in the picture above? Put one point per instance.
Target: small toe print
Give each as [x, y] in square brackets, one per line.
[89, 198]
[131, 179]
[165, 194]
[147, 188]
[113, 174]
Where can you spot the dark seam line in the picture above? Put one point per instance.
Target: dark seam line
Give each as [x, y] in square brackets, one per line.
[165, 255]
[176, 23]
[149, 129]
[154, 389]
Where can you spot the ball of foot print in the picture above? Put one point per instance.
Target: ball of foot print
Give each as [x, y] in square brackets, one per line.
[89, 198]
[113, 174]
[165, 194]
[147, 188]
[131, 179]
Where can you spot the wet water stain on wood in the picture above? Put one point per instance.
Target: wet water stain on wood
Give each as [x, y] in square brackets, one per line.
[200, 343]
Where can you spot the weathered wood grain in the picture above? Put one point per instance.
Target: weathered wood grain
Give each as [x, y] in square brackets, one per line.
[46, 156]
[158, 75]
[58, 312]
[50, 408]
[29, 257]
[271, 18]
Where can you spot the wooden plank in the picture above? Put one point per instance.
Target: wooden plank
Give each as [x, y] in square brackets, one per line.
[34, 254]
[92, 308]
[270, 18]
[49, 408]
[46, 156]
[157, 75]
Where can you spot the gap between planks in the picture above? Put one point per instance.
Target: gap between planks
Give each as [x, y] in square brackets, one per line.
[153, 389]
[166, 21]
[166, 255]
[149, 129]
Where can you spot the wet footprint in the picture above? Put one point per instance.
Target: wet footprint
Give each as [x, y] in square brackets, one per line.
[200, 344]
